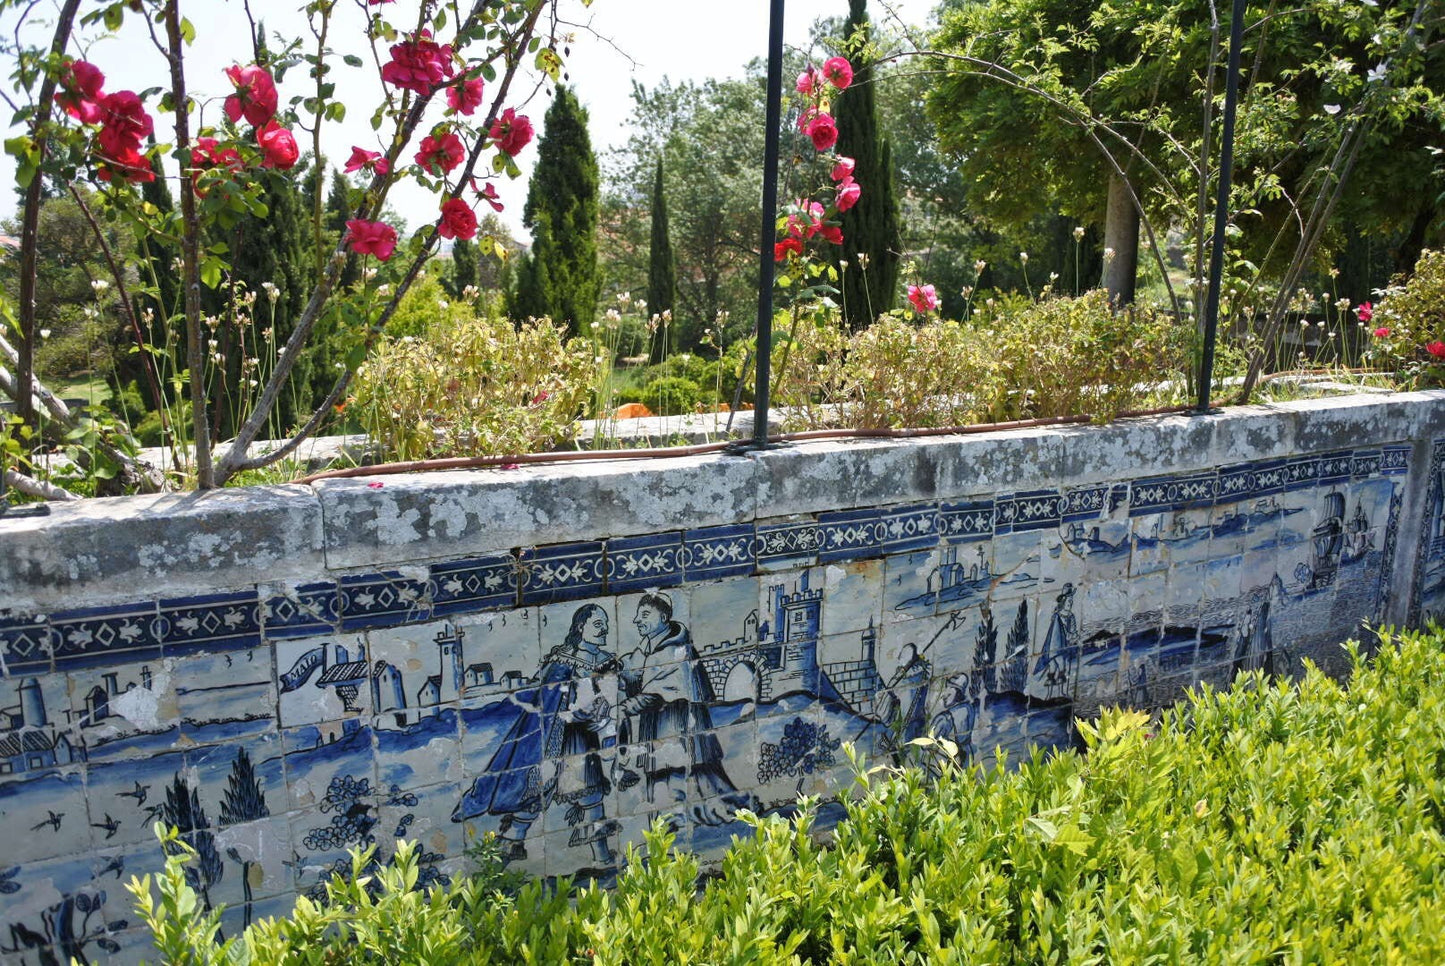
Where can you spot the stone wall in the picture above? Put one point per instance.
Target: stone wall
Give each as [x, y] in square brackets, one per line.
[562, 654]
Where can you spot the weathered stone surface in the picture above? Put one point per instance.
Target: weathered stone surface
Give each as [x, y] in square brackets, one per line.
[428, 516]
[168, 545]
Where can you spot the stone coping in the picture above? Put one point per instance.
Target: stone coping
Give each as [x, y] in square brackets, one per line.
[114, 549]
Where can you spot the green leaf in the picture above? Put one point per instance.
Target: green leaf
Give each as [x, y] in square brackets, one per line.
[188, 32]
[351, 60]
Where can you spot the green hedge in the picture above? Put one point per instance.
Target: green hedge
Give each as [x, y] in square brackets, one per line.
[1281, 823]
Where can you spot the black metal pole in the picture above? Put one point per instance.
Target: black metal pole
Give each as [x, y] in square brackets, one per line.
[770, 214]
[1221, 207]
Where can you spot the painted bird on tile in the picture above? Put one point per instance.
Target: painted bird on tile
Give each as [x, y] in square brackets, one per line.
[139, 794]
[116, 865]
[53, 821]
[110, 825]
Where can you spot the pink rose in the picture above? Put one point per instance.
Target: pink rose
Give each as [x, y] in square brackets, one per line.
[1381, 332]
[80, 92]
[824, 132]
[458, 219]
[439, 155]
[371, 160]
[371, 238]
[1366, 312]
[255, 98]
[838, 71]
[1436, 349]
[464, 98]
[512, 132]
[207, 153]
[923, 297]
[419, 64]
[278, 145]
[848, 193]
[843, 168]
[123, 123]
[831, 233]
[807, 81]
[128, 164]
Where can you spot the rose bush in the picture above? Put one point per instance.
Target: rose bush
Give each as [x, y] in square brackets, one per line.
[106, 138]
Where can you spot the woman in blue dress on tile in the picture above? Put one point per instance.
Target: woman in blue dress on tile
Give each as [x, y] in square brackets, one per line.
[568, 722]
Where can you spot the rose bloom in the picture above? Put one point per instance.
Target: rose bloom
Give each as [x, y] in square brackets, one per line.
[371, 160]
[371, 238]
[255, 98]
[279, 146]
[824, 132]
[458, 220]
[831, 233]
[128, 164]
[781, 249]
[848, 193]
[512, 132]
[208, 153]
[807, 81]
[1381, 332]
[439, 155]
[1436, 349]
[80, 92]
[923, 297]
[419, 64]
[123, 123]
[838, 71]
[464, 98]
[843, 168]
[1366, 312]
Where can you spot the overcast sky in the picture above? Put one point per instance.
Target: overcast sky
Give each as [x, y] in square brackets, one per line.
[615, 42]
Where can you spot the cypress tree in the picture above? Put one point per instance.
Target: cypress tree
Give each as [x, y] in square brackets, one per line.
[661, 266]
[338, 210]
[464, 266]
[871, 226]
[562, 280]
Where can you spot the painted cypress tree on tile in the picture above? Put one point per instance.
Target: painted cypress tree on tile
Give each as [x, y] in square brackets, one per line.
[562, 280]
[871, 226]
[662, 267]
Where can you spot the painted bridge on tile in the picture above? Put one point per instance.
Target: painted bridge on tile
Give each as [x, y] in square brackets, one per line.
[563, 655]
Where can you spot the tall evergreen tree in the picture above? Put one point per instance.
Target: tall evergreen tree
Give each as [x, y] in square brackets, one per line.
[338, 211]
[661, 267]
[464, 267]
[871, 226]
[561, 278]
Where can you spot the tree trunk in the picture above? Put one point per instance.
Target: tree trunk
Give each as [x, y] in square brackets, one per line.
[1121, 234]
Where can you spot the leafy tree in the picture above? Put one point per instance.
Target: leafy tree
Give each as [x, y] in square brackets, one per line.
[559, 277]
[870, 227]
[1037, 91]
[662, 267]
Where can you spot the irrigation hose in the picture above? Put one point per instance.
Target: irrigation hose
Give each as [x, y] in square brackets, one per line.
[699, 449]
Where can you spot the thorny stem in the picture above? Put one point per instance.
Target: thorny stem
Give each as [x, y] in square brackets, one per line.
[190, 250]
[118, 275]
[30, 223]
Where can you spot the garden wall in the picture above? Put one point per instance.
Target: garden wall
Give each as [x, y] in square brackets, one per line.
[561, 654]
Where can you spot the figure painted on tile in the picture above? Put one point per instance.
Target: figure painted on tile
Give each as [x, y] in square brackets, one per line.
[666, 721]
[1252, 644]
[1056, 658]
[567, 724]
[903, 704]
[960, 710]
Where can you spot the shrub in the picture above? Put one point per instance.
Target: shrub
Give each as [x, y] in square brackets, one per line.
[1014, 359]
[473, 385]
[1412, 316]
[670, 395]
[1273, 822]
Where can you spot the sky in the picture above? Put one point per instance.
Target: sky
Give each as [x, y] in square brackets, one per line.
[614, 42]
